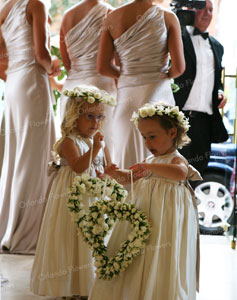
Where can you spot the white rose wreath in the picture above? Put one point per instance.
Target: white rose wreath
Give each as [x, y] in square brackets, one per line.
[94, 227]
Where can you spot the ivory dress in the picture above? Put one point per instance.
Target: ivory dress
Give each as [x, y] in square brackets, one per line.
[30, 134]
[143, 54]
[82, 42]
[166, 270]
[63, 263]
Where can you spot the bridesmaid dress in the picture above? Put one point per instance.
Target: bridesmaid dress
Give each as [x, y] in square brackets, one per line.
[82, 42]
[30, 134]
[143, 55]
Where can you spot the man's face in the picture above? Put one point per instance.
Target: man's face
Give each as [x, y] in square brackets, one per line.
[204, 16]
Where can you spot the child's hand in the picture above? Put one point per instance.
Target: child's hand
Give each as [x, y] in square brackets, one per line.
[140, 170]
[109, 170]
[97, 140]
[100, 175]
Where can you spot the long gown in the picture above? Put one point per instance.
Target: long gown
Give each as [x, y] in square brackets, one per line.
[63, 263]
[166, 269]
[143, 54]
[82, 42]
[30, 134]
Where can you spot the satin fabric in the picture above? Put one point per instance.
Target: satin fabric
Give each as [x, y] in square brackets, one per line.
[82, 45]
[143, 54]
[63, 263]
[166, 268]
[29, 136]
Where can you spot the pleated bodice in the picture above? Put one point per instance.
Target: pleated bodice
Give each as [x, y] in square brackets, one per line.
[142, 49]
[82, 42]
[18, 36]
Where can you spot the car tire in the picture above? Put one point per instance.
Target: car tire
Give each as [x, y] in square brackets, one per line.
[209, 193]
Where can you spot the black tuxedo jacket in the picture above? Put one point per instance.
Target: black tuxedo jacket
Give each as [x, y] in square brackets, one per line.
[185, 82]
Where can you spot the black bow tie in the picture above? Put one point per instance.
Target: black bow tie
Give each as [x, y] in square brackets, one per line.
[203, 34]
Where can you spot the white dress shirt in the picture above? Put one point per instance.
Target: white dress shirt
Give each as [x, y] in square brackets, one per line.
[200, 97]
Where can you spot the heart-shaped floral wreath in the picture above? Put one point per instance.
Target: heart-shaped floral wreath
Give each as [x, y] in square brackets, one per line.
[94, 227]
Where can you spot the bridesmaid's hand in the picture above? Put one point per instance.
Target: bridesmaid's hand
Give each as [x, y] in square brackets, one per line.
[55, 68]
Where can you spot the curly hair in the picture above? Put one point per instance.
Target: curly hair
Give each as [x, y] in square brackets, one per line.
[167, 123]
[68, 126]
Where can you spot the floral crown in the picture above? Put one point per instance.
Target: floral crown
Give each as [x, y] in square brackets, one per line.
[91, 95]
[160, 109]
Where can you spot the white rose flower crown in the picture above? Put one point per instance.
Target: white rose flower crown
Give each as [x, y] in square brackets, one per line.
[94, 227]
[91, 94]
[160, 109]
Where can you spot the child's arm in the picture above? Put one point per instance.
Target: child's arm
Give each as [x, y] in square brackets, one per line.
[176, 170]
[79, 163]
[122, 176]
[107, 156]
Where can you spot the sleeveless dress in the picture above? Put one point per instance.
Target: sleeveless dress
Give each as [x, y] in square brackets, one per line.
[82, 42]
[143, 54]
[29, 136]
[63, 263]
[166, 270]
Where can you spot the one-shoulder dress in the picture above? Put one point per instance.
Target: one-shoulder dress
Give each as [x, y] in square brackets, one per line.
[29, 137]
[82, 43]
[143, 55]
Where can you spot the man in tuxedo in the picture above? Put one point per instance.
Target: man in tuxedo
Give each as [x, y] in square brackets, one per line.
[201, 91]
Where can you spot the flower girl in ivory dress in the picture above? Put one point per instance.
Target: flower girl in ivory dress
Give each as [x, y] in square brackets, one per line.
[167, 268]
[63, 262]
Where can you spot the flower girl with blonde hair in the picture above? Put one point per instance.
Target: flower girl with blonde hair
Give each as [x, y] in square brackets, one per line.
[63, 262]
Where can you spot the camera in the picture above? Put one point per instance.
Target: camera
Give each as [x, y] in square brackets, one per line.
[186, 16]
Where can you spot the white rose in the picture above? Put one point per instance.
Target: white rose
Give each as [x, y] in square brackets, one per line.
[136, 216]
[97, 264]
[119, 215]
[94, 215]
[175, 110]
[135, 251]
[143, 112]
[91, 99]
[85, 177]
[116, 266]
[143, 229]
[81, 213]
[180, 116]
[138, 243]
[82, 188]
[108, 191]
[97, 95]
[97, 229]
[151, 111]
[100, 220]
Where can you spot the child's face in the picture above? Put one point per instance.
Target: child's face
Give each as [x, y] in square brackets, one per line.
[157, 140]
[90, 119]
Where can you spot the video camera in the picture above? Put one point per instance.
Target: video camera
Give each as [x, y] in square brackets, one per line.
[186, 16]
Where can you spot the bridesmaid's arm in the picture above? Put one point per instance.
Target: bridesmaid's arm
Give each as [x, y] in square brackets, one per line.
[106, 54]
[37, 16]
[3, 58]
[175, 45]
[63, 47]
